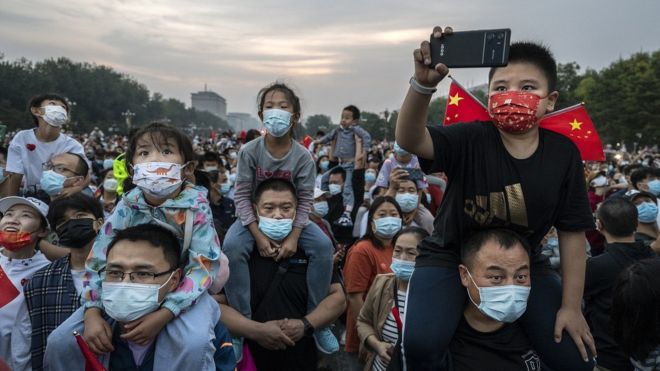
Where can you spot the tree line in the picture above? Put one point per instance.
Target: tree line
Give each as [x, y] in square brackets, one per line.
[99, 95]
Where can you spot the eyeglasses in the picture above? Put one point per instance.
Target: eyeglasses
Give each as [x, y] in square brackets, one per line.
[56, 168]
[139, 277]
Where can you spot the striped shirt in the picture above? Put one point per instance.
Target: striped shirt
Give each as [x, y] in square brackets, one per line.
[390, 330]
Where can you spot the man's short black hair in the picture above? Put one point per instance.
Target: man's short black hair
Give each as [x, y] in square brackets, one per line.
[211, 156]
[618, 216]
[639, 175]
[274, 184]
[156, 236]
[354, 110]
[77, 202]
[628, 169]
[38, 99]
[504, 237]
[339, 170]
[536, 54]
[82, 167]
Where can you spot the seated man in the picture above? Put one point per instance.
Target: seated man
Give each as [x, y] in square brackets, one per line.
[495, 272]
[617, 221]
[143, 265]
[53, 293]
[280, 333]
[65, 174]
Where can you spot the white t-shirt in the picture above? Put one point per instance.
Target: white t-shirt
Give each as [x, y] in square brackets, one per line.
[26, 155]
[16, 272]
[78, 279]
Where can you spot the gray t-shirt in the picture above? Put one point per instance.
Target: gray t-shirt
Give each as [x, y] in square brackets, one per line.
[256, 164]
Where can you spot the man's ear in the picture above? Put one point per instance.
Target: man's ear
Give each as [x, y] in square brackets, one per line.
[36, 111]
[552, 100]
[176, 280]
[463, 272]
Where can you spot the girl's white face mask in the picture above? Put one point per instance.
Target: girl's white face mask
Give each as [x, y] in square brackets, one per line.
[158, 179]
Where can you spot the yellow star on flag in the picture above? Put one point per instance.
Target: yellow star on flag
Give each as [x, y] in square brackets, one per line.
[575, 125]
[455, 99]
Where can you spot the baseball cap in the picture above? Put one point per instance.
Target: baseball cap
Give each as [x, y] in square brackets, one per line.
[41, 207]
[318, 192]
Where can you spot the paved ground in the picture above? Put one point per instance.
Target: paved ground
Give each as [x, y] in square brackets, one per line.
[340, 361]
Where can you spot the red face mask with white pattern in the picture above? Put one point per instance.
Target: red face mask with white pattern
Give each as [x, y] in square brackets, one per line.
[514, 111]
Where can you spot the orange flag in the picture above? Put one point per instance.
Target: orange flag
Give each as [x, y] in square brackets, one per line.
[463, 106]
[91, 362]
[575, 124]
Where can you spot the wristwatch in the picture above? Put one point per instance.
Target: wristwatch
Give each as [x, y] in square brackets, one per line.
[308, 329]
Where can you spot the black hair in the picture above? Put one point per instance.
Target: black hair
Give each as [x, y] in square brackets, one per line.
[639, 175]
[36, 101]
[635, 314]
[618, 216]
[504, 237]
[156, 236]
[371, 235]
[159, 132]
[283, 88]
[627, 169]
[639, 194]
[77, 202]
[420, 233]
[203, 179]
[318, 163]
[354, 110]
[274, 184]
[535, 54]
[211, 156]
[82, 167]
[252, 134]
[338, 170]
[320, 132]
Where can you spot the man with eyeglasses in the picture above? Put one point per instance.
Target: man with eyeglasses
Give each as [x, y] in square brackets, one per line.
[30, 148]
[65, 174]
[143, 265]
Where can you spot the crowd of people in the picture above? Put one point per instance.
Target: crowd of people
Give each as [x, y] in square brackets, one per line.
[487, 245]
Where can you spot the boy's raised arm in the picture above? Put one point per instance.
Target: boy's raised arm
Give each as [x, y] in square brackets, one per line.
[411, 133]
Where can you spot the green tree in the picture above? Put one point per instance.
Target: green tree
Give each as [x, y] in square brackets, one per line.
[568, 79]
[315, 123]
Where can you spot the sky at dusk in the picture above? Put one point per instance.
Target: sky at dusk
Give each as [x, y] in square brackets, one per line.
[333, 53]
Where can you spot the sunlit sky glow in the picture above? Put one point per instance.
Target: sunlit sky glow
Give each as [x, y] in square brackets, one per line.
[334, 53]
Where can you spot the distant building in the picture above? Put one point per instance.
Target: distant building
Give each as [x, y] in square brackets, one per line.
[210, 101]
[239, 121]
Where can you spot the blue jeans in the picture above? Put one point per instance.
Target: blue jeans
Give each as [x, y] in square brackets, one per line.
[435, 304]
[238, 246]
[347, 193]
[185, 343]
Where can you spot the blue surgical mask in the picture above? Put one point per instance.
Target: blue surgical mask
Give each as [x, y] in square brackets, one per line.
[52, 182]
[402, 269]
[407, 201]
[127, 301]
[654, 187]
[277, 121]
[647, 212]
[502, 303]
[324, 165]
[224, 188]
[387, 227]
[552, 242]
[334, 189]
[400, 151]
[275, 229]
[369, 177]
[232, 178]
[107, 163]
[321, 208]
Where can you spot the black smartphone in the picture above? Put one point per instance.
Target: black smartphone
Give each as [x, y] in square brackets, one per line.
[481, 48]
[414, 174]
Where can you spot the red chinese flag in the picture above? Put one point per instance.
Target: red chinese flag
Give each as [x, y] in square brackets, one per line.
[575, 124]
[91, 362]
[8, 292]
[463, 106]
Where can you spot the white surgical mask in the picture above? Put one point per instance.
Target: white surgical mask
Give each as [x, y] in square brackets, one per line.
[55, 115]
[158, 179]
[407, 201]
[110, 184]
[127, 301]
[502, 303]
[334, 189]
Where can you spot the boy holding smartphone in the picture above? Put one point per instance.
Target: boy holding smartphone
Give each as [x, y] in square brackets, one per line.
[504, 173]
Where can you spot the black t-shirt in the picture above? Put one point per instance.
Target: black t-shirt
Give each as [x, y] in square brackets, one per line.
[506, 349]
[288, 301]
[487, 187]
